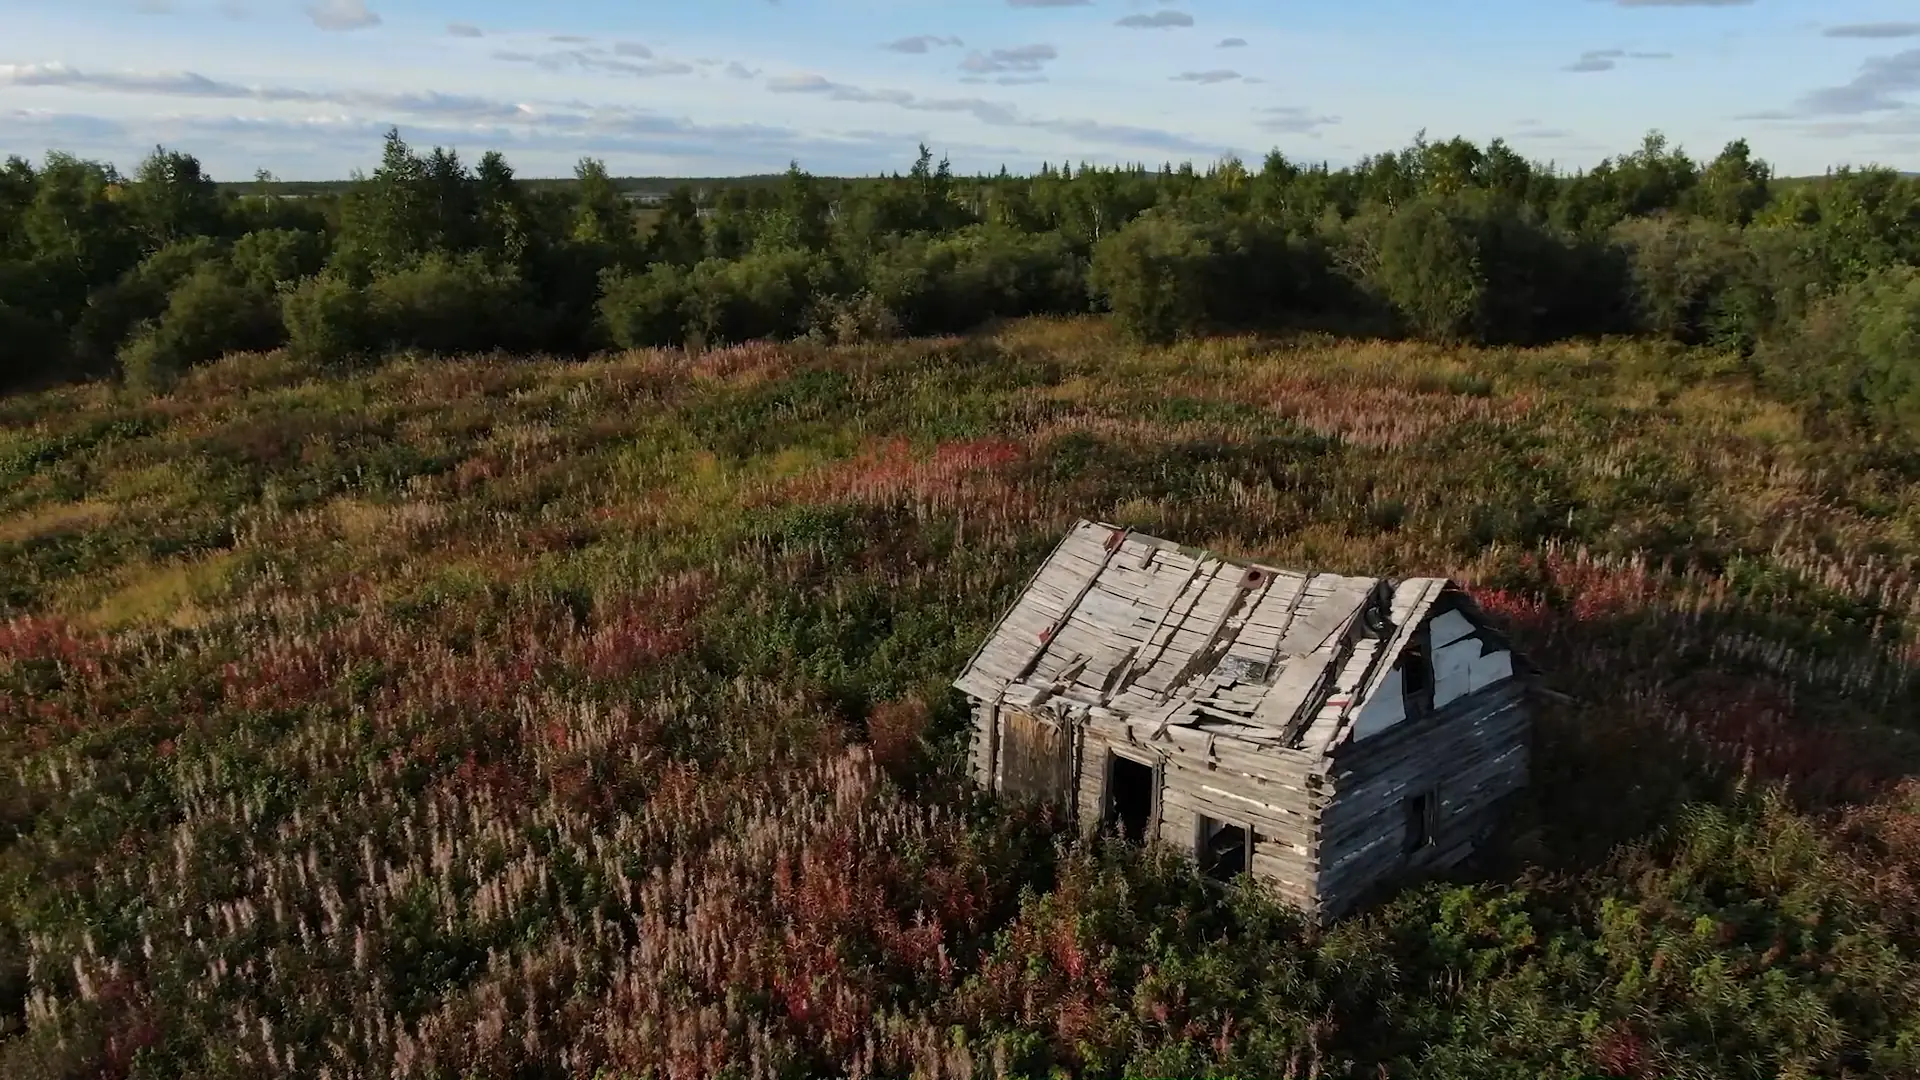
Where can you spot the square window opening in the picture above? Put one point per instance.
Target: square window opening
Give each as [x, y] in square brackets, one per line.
[1224, 849]
[1419, 813]
[1130, 797]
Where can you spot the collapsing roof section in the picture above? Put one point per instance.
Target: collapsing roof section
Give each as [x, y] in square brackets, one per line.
[1139, 629]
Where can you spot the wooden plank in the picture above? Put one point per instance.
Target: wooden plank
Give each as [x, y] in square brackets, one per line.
[1411, 600]
[1110, 550]
[1155, 651]
[1444, 746]
[1448, 627]
[1456, 658]
[1465, 768]
[1281, 765]
[1355, 673]
[1260, 820]
[1489, 669]
[1299, 878]
[1198, 655]
[995, 633]
[1298, 684]
[1311, 632]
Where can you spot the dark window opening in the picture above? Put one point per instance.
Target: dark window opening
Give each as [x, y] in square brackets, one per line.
[1224, 850]
[1416, 680]
[1418, 814]
[1130, 787]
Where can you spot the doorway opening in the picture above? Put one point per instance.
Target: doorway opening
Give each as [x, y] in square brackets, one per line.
[1130, 797]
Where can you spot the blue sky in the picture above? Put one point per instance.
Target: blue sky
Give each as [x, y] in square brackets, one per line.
[305, 88]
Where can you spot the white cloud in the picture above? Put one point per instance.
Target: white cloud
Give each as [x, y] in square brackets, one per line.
[1158, 20]
[1292, 120]
[921, 43]
[1026, 58]
[342, 15]
[998, 114]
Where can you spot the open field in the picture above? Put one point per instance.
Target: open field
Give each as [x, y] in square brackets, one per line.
[539, 718]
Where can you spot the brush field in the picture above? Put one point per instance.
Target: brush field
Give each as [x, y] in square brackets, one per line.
[539, 718]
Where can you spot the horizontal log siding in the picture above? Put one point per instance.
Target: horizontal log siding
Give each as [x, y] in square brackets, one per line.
[1470, 755]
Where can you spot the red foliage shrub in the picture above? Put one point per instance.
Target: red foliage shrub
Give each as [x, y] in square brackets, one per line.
[1620, 1052]
[45, 637]
[894, 731]
[888, 472]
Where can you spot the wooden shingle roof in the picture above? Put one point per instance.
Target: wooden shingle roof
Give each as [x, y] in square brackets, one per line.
[1144, 629]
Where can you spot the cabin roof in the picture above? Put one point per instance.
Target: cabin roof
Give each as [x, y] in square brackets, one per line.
[1132, 627]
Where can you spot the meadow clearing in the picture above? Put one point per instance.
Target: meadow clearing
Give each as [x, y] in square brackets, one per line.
[536, 718]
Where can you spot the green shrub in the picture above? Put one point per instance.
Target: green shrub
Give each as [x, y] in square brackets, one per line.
[1155, 275]
[1166, 277]
[853, 320]
[113, 313]
[208, 315]
[1855, 359]
[647, 309]
[988, 272]
[1430, 270]
[450, 304]
[1702, 283]
[328, 320]
[902, 279]
[268, 259]
[34, 342]
[764, 295]
[1678, 267]
[1476, 266]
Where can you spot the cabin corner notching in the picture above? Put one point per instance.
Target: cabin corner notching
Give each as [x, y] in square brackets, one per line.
[1324, 733]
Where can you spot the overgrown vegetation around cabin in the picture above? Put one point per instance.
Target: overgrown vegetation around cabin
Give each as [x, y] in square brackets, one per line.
[501, 717]
[414, 662]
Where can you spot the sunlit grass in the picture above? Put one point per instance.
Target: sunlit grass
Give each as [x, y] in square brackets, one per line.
[457, 718]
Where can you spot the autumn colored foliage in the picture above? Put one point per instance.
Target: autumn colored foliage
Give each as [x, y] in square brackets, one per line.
[540, 719]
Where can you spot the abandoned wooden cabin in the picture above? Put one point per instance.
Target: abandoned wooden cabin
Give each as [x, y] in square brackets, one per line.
[1325, 733]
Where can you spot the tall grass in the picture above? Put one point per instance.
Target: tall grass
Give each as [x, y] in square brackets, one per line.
[544, 719]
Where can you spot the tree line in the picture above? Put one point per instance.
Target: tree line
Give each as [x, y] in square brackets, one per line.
[1812, 285]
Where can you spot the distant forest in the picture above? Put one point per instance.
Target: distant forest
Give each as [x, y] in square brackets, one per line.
[1808, 285]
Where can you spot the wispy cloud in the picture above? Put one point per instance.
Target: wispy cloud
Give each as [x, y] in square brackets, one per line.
[187, 84]
[342, 15]
[1217, 75]
[995, 114]
[1873, 30]
[625, 58]
[346, 124]
[1292, 120]
[921, 43]
[1877, 87]
[466, 30]
[1158, 20]
[1020, 58]
[1232, 43]
[1608, 59]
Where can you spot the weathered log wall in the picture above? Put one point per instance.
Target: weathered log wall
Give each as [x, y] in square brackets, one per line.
[1469, 756]
[1325, 832]
[1264, 790]
[980, 746]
